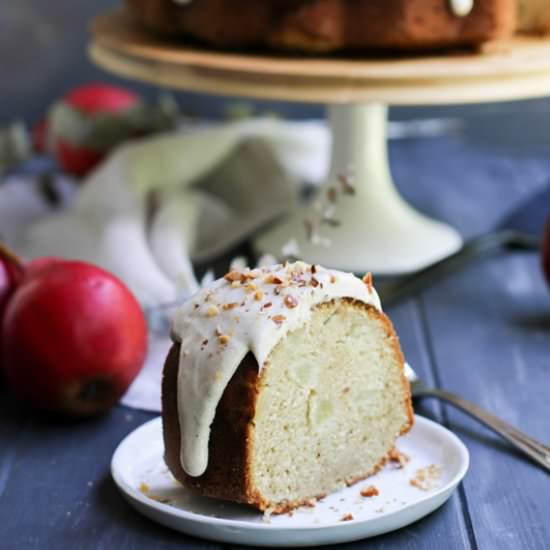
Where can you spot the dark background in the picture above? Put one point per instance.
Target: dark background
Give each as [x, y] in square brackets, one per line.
[43, 54]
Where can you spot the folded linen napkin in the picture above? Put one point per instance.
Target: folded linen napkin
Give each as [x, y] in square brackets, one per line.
[154, 205]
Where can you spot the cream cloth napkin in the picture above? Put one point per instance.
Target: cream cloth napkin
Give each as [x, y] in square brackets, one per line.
[156, 204]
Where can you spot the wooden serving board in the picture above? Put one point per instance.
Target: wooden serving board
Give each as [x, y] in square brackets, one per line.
[517, 69]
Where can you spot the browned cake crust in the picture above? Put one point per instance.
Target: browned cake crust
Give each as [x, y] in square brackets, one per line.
[230, 446]
[329, 25]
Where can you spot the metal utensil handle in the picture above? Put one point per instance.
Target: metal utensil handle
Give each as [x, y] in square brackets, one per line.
[529, 446]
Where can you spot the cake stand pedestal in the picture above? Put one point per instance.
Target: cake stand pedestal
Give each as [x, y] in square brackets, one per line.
[378, 230]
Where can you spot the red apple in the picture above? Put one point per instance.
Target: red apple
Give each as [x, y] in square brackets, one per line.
[11, 272]
[85, 124]
[73, 338]
[546, 250]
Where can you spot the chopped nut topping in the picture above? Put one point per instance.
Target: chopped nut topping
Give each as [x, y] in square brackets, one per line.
[250, 287]
[370, 491]
[235, 284]
[346, 517]
[254, 274]
[333, 279]
[196, 306]
[314, 282]
[205, 342]
[273, 280]
[226, 307]
[267, 304]
[212, 311]
[144, 488]
[258, 296]
[314, 269]
[232, 276]
[367, 279]
[278, 319]
[398, 458]
[223, 339]
[290, 301]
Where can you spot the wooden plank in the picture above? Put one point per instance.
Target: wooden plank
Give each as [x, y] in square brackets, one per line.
[59, 493]
[489, 331]
[11, 426]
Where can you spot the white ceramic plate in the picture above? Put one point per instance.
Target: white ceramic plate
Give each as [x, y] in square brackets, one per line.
[139, 471]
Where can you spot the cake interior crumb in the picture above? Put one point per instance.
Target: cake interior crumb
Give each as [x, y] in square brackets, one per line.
[427, 479]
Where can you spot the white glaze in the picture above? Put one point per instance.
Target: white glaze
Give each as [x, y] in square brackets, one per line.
[202, 326]
[461, 8]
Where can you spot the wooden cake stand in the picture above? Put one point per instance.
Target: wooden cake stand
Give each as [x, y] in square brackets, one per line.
[379, 232]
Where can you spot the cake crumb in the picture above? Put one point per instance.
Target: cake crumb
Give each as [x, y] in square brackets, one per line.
[229, 306]
[346, 517]
[258, 296]
[162, 500]
[278, 319]
[144, 488]
[370, 491]
[398, 459]
[223, 339]
[427, 479]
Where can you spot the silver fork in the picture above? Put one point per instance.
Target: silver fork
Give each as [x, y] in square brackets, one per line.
[527, 445]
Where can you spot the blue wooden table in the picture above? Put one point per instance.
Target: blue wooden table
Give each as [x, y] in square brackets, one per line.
[483, 332]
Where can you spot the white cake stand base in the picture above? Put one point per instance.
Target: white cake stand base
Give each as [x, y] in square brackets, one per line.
[378, 230]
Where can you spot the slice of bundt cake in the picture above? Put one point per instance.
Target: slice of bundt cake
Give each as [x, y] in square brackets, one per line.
[284, 384]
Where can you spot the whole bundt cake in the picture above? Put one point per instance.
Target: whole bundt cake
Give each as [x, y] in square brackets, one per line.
[331, 25]
[283, 384]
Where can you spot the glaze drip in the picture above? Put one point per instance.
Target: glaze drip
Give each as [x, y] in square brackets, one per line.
[246, 311]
